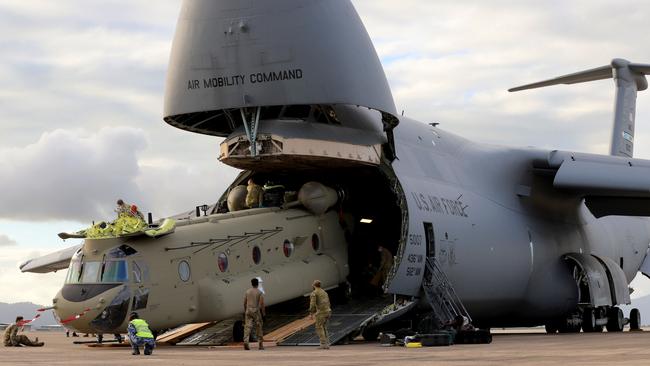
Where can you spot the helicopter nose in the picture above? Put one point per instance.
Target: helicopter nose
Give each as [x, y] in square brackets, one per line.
[93, 308]
[113, 315]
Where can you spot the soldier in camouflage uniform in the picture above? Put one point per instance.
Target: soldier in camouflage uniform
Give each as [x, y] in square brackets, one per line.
[13, 339]
[122, 208]
[254, 194]
[253, 313]
[319, 307]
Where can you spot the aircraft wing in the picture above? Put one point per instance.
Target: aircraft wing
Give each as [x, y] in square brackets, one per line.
[611, 185]
[50, 262]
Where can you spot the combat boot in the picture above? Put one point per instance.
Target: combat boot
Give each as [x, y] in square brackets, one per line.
[261, 347]
[135, 352]
[246, 347]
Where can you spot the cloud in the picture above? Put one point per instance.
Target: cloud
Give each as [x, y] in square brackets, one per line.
[452, 63]
[17, 286]
[70, 174]
[175, 186]
[6, 241]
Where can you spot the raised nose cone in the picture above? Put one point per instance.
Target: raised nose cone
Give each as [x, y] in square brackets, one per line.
[233, 54]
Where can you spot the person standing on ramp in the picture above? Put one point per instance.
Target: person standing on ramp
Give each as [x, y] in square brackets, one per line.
[253, 313]
[319, 307]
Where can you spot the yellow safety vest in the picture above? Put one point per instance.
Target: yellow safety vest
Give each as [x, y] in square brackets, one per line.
[141, 328]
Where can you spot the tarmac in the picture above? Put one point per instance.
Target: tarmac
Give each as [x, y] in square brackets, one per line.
[511, 347]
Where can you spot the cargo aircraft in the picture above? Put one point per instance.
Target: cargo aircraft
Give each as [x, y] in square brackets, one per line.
[524, 236]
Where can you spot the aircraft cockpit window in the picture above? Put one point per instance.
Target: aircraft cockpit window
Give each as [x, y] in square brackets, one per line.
[90, 272]
[257, 255]
[140, 271]
[114, 271]
[74, 271]
[121, 252]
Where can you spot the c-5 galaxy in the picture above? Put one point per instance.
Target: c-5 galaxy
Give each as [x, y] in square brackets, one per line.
[511, 236]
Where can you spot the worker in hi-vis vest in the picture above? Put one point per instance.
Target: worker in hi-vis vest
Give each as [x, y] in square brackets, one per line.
[140, 335]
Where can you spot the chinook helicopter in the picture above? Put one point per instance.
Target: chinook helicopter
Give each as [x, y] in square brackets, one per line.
[523, 236]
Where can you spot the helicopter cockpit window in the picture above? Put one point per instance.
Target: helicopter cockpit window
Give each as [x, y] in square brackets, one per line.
[114, 271]
[139, 271]
[90, 272]
[74, 270]
[121, 252]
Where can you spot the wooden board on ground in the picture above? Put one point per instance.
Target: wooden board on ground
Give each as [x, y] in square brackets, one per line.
[289, 329]
[178, 334]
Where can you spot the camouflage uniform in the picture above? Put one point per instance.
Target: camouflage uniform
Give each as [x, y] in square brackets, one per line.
[123, 209]
[254, 195]
[13, 339]
[253, 315]
[319, 307]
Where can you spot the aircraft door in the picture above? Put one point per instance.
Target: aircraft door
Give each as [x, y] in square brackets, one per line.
[430, 239]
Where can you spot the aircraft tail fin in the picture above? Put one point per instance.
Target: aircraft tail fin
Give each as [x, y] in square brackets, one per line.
[629, 79]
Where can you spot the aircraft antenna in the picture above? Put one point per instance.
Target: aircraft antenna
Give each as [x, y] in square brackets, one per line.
[629, 78]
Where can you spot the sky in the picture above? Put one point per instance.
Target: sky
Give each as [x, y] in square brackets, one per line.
[82, 84]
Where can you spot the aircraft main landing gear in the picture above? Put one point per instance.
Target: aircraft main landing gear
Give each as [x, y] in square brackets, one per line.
[615, 319]
[635, 319]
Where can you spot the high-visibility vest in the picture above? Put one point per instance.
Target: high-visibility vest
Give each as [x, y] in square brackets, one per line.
[141, 328]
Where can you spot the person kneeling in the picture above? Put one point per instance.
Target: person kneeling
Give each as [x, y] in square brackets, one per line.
[140, 335]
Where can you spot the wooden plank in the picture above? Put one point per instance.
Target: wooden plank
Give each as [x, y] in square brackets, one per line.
[289, 329]
[176, 335]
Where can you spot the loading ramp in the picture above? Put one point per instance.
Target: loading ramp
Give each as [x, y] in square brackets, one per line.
[346, 319]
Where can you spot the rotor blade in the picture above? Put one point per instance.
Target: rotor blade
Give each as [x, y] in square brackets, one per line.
[640, 68]
[599, 73]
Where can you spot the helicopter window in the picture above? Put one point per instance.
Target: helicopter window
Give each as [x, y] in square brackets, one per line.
[137, 273]
[121, 252]
[140, 271]
[222, 261]
[315, 242]
[140, 299]
[184, 270]
[74, 271]
[114, 271]
[257, 255]
[287, 248]
[90, 272]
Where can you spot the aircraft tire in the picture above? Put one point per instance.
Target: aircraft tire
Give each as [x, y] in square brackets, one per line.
[589, 320]
[615, 321]
[635, 319]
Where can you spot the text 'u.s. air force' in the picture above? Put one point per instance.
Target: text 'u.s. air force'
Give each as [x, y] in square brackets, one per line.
[243, 79]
